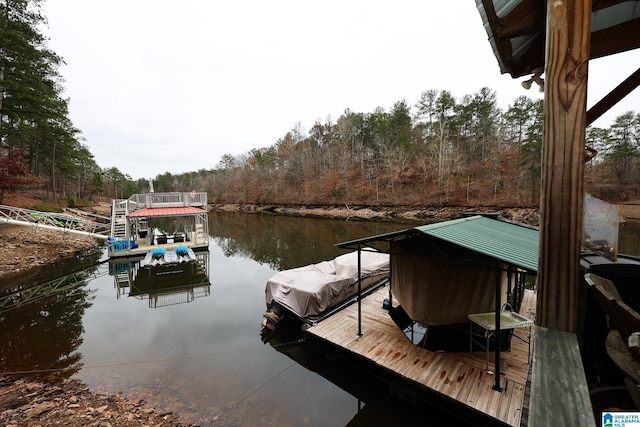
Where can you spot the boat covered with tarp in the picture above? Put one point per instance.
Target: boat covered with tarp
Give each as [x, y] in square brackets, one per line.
[312, 291]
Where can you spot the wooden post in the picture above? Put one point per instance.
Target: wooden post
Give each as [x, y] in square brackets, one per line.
[359, 290]
[567, 56]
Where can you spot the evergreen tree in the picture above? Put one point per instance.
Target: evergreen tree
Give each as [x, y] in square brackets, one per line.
[623, 149]
[33, 113]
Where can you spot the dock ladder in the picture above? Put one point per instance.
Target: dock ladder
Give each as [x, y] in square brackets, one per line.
[119, 220]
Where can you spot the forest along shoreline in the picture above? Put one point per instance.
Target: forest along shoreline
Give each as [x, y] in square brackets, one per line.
[24, 249]
[28, 248]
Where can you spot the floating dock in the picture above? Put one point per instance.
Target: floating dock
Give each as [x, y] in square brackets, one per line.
[132, 223]
[460, 378]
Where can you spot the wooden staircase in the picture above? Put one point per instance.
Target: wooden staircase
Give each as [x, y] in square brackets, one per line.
[119, 221]
[199, 234]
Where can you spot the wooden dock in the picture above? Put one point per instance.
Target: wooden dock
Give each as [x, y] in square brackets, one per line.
[130, 220]
[461, 377]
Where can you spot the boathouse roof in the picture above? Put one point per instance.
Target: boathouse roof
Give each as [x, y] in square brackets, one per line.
[516, 30]
[505, 241]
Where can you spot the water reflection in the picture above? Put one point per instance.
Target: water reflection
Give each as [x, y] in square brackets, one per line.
[204, 360]
[286, 242]
[162, 285]
[41, 327]
[45, 273]
[373, 404]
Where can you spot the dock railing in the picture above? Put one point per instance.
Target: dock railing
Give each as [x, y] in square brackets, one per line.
[167, 200]
[559, 391]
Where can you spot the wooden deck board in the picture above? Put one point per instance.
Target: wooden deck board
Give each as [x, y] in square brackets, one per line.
[472, 376]
[450, 378]
[514, 410]
[478, 390]
[462, 376]
[558, 376]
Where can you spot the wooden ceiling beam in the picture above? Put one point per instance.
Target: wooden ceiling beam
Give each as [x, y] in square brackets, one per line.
[617, 39]
[531, 60]
[526, 18]
[603, 4]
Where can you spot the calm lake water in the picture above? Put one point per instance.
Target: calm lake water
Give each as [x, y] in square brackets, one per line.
[204, 359]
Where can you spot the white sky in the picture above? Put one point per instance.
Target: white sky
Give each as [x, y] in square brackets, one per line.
[165, 86]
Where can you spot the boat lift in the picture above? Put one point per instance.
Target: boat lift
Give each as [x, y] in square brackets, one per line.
[22, 295]
[53, 221]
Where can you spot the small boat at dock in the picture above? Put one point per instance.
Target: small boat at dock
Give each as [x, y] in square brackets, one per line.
[315, 291]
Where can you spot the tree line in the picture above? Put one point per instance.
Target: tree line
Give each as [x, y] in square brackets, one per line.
[440, 150]
[34, 116]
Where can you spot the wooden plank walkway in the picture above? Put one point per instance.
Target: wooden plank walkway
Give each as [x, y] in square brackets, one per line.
[461, 376]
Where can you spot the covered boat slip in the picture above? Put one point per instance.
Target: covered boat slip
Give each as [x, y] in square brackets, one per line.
[446, 276]
[311, 291]
[441, 273]
[460, 378]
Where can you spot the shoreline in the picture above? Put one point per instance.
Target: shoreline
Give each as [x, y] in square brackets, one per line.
[423, 214]
[420, 214]
[36, 403]
[25, 249]
[26, 401]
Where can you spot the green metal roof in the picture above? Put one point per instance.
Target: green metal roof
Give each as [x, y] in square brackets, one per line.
[505, 241]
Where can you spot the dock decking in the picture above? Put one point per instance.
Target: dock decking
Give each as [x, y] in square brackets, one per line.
[461, 376]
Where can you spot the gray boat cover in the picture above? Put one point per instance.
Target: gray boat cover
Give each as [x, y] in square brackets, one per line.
[311, 290]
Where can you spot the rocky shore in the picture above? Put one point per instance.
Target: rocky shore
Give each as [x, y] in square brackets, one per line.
[415, 214]
[25, 248]
[27, 403]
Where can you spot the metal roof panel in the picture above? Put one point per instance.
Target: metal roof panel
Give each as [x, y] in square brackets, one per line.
[505, 241]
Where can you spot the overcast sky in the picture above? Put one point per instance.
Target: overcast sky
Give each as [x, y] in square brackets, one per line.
[161, 86]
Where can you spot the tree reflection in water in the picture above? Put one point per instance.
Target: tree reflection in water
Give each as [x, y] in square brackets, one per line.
[50, 314]
[284, 242]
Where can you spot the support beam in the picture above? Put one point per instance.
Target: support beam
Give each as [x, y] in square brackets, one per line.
[615, 96]
[567, 58]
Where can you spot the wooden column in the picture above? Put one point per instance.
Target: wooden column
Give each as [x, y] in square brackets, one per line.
[566, 69]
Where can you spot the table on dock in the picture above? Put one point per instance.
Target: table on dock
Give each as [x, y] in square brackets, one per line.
[457, 375]
[508, 320]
